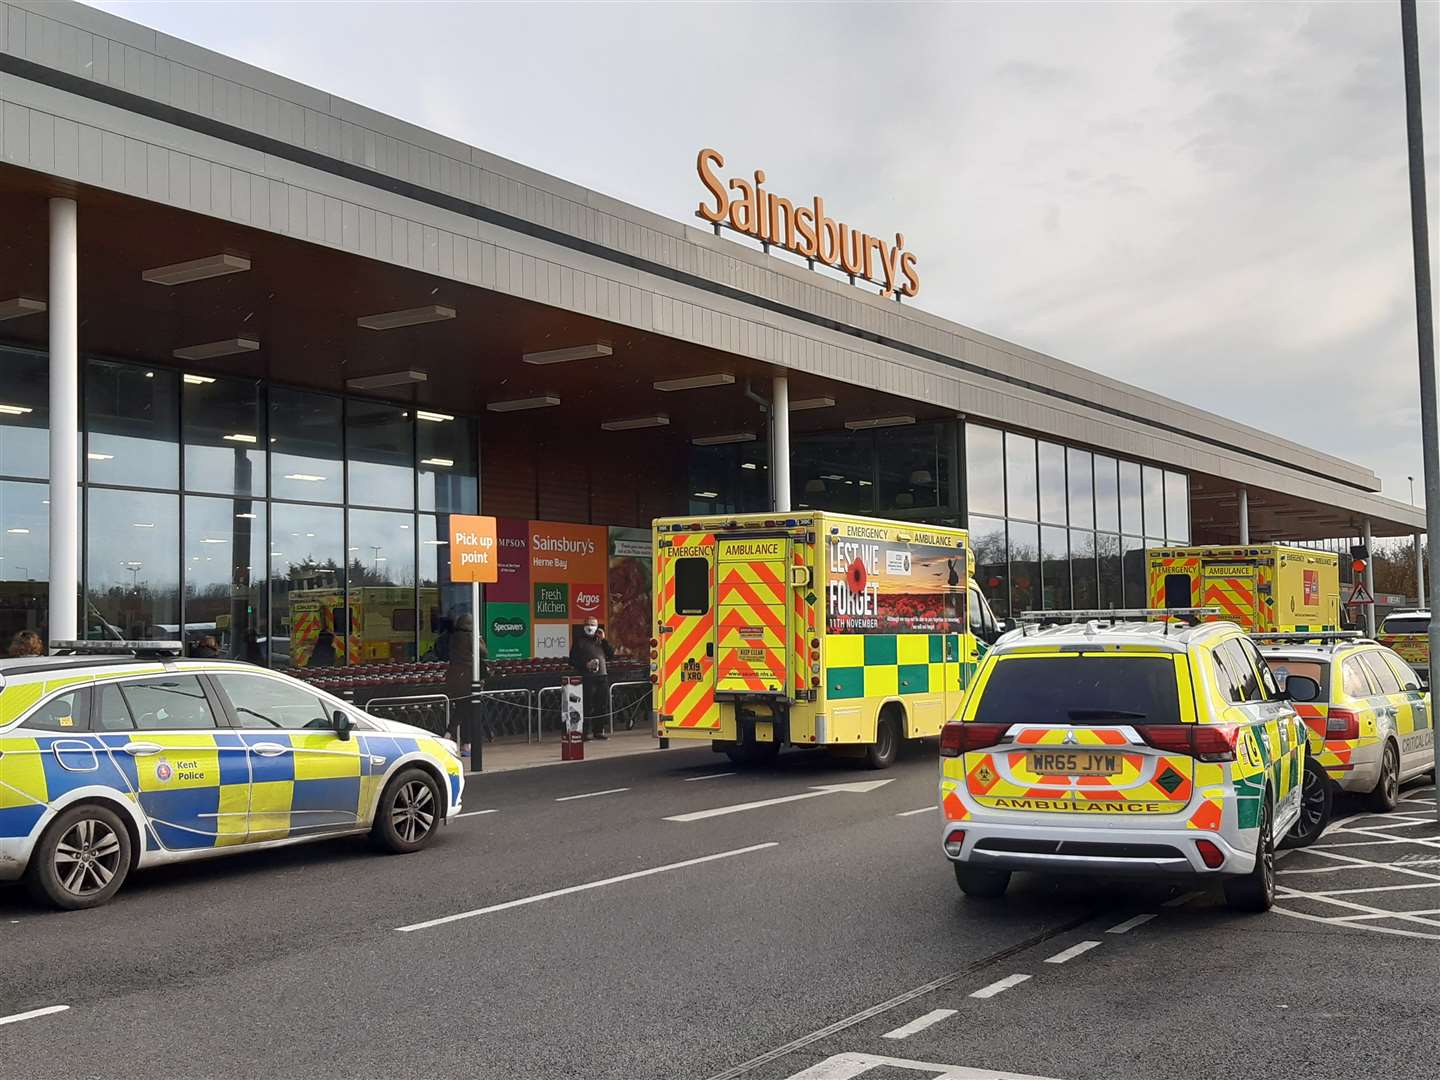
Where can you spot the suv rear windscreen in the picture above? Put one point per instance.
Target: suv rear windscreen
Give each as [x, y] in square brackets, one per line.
[1319, 670]
[1081, 689]
[1405, 624]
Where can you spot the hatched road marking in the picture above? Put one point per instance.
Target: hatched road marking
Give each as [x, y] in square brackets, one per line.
[920, 1023]
[1000, 986]
[1066, 955]
[15, 1018]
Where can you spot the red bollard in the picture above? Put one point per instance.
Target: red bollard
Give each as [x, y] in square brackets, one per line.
[572, 713]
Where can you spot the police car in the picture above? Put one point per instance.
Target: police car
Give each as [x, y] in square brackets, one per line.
[1123, 743]
[1371, 724]
[110, 763]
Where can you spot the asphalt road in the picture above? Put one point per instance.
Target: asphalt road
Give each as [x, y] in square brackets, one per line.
[817, 939]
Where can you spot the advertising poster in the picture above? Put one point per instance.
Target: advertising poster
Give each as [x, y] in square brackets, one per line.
[627, 625]
[551, 576]
[507, 631]
[884, 587]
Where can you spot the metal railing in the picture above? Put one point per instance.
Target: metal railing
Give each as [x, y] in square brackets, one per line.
[419, 706]
[629, 706]
[505, 698]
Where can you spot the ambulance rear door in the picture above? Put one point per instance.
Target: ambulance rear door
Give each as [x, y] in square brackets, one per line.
[753, 651]
[687, 631]
[1233, 586]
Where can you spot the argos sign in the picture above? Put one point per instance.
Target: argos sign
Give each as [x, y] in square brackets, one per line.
[586, 602]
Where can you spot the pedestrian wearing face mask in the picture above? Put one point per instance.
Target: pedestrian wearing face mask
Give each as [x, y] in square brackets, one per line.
[591, 656]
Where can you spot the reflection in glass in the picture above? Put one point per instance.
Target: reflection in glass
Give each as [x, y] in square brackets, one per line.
[133, 425]
[224, 437]
[24, 414]
[992, 571]
[1083, 568]
[984, 470]
[1055, 568]
[447, 462]
[1177, 508]
[1133, 572]
[441, 603]
[305, 446]
[1020, 476]
[307, 587]
[1082, 496]
[1112, 594]
[132, 561]
[1107, 494]
[833, 471]
[380, 443]
[730, 478]
[914, 467]
[1130, 519]
[380, 569]
[1024, 567]
[1154, 488]
[1052, 483]
[24, 559]
[224, 569]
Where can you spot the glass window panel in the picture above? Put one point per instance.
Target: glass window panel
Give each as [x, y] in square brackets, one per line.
[1082, 493]
[1153, 484]
[1107, 494]
[225, 437]
[1133, 571]
[380, 446]
[447, 463]
[24, 413]
[1084, 568]
[305, 446]
[992, 570]
[984, 470]
[380, 569]
[24, 559]
[307, 589]
[1112, 593]
[1020, 477]
[267, 703]
[914, 467]
[224, 570]
[168, 703]
[1177, 508]
[715, 479]
[1052, 483]
[1024, 567]
[132, 565]
[1055, 571]
[132, 423]
[441, 602]
[1130, 517]
[833, 471]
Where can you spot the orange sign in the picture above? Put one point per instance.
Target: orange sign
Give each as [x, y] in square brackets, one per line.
[473, 550]
[805, 230]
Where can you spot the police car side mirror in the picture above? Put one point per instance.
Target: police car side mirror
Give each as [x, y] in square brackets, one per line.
[340, 721]
[1301, 688]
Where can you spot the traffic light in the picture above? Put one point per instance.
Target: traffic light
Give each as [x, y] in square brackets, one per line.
[1360, 556]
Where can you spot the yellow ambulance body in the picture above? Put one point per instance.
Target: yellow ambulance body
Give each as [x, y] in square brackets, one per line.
[811, 629]
[1265, 588]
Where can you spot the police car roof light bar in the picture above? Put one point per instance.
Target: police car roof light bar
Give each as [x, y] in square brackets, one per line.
[115, 648]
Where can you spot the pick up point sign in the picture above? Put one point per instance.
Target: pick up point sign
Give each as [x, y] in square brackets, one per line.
[473, 549]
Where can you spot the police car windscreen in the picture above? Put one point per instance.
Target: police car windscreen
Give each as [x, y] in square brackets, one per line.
[1081, 690]
[1405, 624]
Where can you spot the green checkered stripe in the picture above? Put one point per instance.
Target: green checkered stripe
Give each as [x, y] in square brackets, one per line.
[892, 665]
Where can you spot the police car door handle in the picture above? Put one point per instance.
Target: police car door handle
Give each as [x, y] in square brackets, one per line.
[268, 749]
[142, 749]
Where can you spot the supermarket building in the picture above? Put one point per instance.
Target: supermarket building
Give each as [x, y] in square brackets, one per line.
[292, 334]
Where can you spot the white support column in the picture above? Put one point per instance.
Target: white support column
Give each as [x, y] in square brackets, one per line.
[780, 443]
[1369, 542]
[1244, 517]
[64, 420]
[1419, 573]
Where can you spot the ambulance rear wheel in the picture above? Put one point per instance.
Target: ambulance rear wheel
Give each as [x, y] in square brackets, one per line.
[882, 752]
[82, 860]
[753, 753]
[1317, 797]
[981, 881]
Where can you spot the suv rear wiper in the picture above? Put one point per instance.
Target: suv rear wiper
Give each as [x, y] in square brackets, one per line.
[1106, 714]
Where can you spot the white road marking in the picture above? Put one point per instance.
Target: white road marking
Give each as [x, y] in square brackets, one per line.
[849, 1066]
[1066, 955]
[1330, 921]
[922, 810]
[813, 793]
[15, 1018]
[524, 900]
[707, 776]
[1185, 898]
[1130, 924]
[592, 794]
[1000, 986]
[476, 813]
[920, 1023]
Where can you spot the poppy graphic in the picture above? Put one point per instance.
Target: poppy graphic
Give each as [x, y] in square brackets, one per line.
[855, 576]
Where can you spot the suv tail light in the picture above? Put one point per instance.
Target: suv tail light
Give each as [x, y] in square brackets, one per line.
[955, 843]
[1210, 853]
[1205, 742]
[956, 737]
[1342, 724]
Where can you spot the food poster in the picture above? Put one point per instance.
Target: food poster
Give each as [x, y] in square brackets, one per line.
[886, 587]
[627, 625]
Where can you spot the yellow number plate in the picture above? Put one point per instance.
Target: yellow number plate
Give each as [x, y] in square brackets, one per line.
[1073, 763]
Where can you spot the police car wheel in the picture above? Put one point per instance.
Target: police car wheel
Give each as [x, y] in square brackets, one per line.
[82, 859]
[981, 881]
[1317, 797]
[1256, 890]
[1386, 795]
[409, 813]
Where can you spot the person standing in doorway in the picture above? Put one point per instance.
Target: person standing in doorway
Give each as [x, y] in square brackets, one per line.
[460, 680]
[591, 656]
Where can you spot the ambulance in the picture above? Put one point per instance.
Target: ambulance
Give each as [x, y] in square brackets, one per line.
[382, 623]
[1408, 633]
[812, 630]
[1269, 588]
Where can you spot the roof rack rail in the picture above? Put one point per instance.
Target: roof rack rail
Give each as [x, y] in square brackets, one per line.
[1356, 636]
[1187, 616]
[115, 648]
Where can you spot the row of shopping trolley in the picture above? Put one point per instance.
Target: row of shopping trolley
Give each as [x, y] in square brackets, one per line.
[499, 713]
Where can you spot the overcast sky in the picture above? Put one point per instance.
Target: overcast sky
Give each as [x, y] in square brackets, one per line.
[1208, 200]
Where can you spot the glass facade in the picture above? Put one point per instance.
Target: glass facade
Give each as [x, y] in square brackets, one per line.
[284, 524]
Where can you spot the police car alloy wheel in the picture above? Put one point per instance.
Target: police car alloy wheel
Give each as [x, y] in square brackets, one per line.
[1317, 797]
[1387, 789]
[409, 813]
[82, 860]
